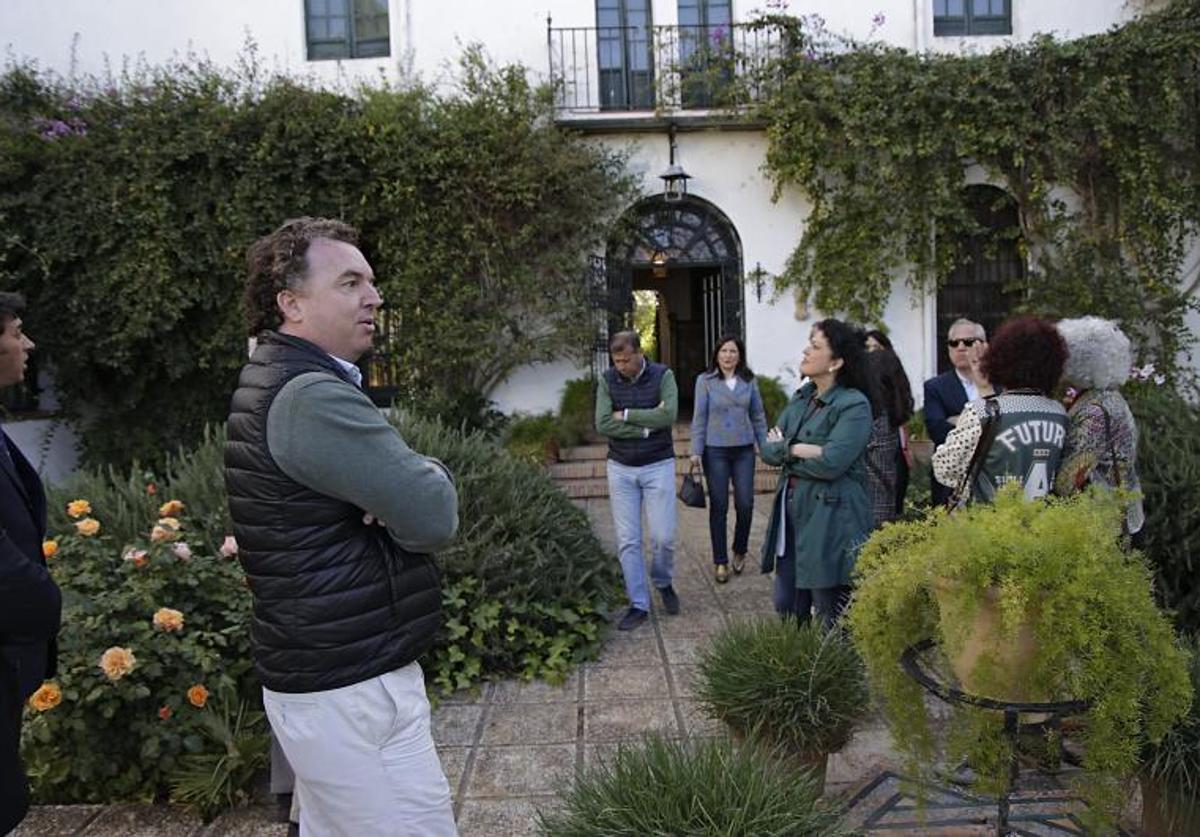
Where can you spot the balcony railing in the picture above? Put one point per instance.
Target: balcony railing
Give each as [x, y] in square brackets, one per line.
[660, 68]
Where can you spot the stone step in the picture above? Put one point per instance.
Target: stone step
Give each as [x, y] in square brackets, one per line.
[594, 487]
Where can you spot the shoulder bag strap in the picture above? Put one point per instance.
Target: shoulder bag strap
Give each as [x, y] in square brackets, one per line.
[1112, 447]
[990, 426]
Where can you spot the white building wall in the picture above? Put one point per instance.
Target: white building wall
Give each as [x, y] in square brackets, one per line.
[88, 37]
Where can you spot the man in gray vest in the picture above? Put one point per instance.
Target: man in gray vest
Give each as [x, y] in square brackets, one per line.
[335, 517]
[636, 404]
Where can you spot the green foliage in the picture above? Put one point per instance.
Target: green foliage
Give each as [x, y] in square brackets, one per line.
[526, 582]
[916, 425]
[113, 739]
[577, 410]
[223, 777]
[1094, 140]
[705, 788]
[773, 395]
[533, 438]
[125, 213]
[1056, 565]
[801, 687]
[1169, 470]
[195, 476]
[1175, 761]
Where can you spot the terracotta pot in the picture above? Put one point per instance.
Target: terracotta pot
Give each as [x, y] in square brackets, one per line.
[1167, 812]
[922, 450]
[1013, 659]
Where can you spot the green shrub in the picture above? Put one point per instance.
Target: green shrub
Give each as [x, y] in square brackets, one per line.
[526, 582]
[774, 397]
[801, 687]
[195, 476]
[1169, 470]
[1057, 567]
[120, 735]
[577, 411]
[128, 235]
[525, 589]
[533, 438]
[1175, 761]
[707, 788]
[916, 425]
[223, 775]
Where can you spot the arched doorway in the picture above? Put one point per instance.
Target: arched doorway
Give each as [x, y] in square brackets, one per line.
[673, 270]
[979, 287]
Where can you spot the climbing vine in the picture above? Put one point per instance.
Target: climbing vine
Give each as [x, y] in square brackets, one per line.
[1096, 140]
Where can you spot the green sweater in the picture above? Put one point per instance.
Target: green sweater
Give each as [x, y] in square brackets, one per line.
[327, 435]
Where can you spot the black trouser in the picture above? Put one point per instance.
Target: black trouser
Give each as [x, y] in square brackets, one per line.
[721, 465]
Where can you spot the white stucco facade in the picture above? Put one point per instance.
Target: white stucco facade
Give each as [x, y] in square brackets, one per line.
[85, 37]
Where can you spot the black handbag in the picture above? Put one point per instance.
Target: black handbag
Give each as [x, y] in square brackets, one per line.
[691, 492]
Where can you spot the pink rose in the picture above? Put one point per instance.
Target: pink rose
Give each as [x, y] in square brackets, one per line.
[229, 547]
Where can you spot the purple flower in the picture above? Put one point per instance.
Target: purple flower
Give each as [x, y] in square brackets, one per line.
[717, 34]
[878, 20]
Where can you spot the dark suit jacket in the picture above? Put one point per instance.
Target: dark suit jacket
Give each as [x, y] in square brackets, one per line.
[944, 397]
[30, 610]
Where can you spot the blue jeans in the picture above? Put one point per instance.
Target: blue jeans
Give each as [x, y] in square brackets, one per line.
[632, 490]
[798, 604]
[720, 465]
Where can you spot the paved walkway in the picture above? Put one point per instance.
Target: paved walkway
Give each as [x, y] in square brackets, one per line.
[506, 749]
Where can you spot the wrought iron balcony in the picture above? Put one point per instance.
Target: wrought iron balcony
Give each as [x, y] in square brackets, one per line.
[660, 68]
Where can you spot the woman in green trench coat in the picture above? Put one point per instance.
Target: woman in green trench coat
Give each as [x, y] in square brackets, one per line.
[821, 515]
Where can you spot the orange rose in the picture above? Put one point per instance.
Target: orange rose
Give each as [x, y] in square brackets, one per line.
[78, 508]
[46, 697]
[137, 557]
[166, 619]
[171, 508]
[161, 533]
[197, 696]
[87, 527]
[116, 662]
[164, 712]
[49, 549]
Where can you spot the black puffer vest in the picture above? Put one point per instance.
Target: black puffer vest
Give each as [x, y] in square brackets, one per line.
[641, 394]
[335, 601]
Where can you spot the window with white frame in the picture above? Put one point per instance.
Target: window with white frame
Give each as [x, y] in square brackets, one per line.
[346, 29]
[972, 17]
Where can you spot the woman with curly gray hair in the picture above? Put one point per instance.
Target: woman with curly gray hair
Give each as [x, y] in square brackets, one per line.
[1102, 439]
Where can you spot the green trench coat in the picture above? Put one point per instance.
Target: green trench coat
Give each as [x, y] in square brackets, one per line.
[830, 512]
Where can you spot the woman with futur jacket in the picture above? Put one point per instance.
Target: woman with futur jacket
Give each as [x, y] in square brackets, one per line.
[821, 515]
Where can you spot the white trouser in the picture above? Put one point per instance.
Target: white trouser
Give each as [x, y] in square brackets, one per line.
[364, 758]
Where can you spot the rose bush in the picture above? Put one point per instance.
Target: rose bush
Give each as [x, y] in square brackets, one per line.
[149, 628]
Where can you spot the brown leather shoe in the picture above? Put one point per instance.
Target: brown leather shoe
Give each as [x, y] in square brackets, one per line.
[739, 563]
[722, 573]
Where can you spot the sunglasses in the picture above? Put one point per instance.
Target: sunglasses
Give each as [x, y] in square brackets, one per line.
[965, 341]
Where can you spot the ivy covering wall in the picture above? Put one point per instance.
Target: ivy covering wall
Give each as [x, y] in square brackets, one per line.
[1097, 140]
[126, 209]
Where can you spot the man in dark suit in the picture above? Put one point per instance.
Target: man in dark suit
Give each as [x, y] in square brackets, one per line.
[30, 603]
[948, 393]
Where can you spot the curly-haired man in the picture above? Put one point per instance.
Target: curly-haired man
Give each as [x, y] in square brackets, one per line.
[335, 517]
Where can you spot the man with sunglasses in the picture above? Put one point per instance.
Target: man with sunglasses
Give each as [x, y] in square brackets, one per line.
[948, 393]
